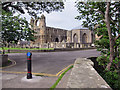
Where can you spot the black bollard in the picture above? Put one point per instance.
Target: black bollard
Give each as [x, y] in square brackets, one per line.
[29, 74]
[3, 52]
[8, 50]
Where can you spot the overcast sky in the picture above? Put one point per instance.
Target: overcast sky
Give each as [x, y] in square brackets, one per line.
[65, 19]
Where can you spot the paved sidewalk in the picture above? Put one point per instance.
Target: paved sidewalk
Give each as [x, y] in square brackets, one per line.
[64, 80]
[20, 81]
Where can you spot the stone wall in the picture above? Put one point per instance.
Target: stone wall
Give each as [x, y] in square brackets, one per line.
[61, 45]
[54, 50]
[83, 75]
[3, 59]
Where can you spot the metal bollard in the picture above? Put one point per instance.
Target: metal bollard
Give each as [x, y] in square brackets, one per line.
[3, 52]
[8, 50]
[29, 74]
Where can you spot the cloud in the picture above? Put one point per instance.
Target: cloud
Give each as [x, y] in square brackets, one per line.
[65, 19]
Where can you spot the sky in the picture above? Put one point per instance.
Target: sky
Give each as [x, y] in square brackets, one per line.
[65, 19]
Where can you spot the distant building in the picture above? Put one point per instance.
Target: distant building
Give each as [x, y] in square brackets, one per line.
[60, 38]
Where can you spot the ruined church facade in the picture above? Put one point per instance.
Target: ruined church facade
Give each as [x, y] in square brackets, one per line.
[50, 37]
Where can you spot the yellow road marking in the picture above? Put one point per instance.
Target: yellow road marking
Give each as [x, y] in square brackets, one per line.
[45, 74]
[63, 70]
[13, 64]
[13, 72]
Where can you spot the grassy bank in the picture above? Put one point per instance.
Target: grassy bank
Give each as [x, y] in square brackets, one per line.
[56, 83]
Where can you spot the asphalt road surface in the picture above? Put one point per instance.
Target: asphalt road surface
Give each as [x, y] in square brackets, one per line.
[48, 62]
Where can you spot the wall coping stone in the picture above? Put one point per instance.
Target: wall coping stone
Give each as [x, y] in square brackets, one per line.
[83, 75]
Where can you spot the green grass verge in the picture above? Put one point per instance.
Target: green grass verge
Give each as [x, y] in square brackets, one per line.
[55, 84]
[5, 48]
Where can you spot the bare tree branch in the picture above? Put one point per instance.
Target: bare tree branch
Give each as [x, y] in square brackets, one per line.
[6, 5]
[115, 11]
[100, 12]
[18, 8]
[117, 37]
[93, 9]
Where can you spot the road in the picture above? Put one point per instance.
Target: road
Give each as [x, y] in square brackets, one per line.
[44, 62]
[48, 62]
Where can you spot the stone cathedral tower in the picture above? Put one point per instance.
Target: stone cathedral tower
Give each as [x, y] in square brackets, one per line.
[42, 26]
[39, 25]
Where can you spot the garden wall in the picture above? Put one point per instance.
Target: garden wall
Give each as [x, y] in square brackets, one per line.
[83, 75]
[3, 59]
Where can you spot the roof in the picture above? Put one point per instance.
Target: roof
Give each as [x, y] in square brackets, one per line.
[80, 27]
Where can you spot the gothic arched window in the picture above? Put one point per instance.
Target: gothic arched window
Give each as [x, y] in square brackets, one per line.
[75, 38]
[84, 38]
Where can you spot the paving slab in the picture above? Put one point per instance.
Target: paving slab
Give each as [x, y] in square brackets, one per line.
[20, 81]
[64, 80]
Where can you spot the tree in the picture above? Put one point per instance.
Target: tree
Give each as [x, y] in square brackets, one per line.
[15, 29]
[33, 8]
[102, 13]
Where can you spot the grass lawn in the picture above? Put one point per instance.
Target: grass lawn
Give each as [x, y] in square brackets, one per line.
[6, 48]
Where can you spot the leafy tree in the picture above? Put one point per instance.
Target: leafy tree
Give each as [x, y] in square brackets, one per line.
[105, 16]
[33, 8]
[15, 28]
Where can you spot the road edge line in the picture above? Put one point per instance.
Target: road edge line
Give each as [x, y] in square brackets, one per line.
[63, 70]
[45, 74]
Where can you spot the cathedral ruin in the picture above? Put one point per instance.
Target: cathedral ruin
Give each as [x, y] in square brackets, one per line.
[50, 37]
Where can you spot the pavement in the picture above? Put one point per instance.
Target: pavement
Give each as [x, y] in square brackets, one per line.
[49, 64]
[64, 80]
[20, 81]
